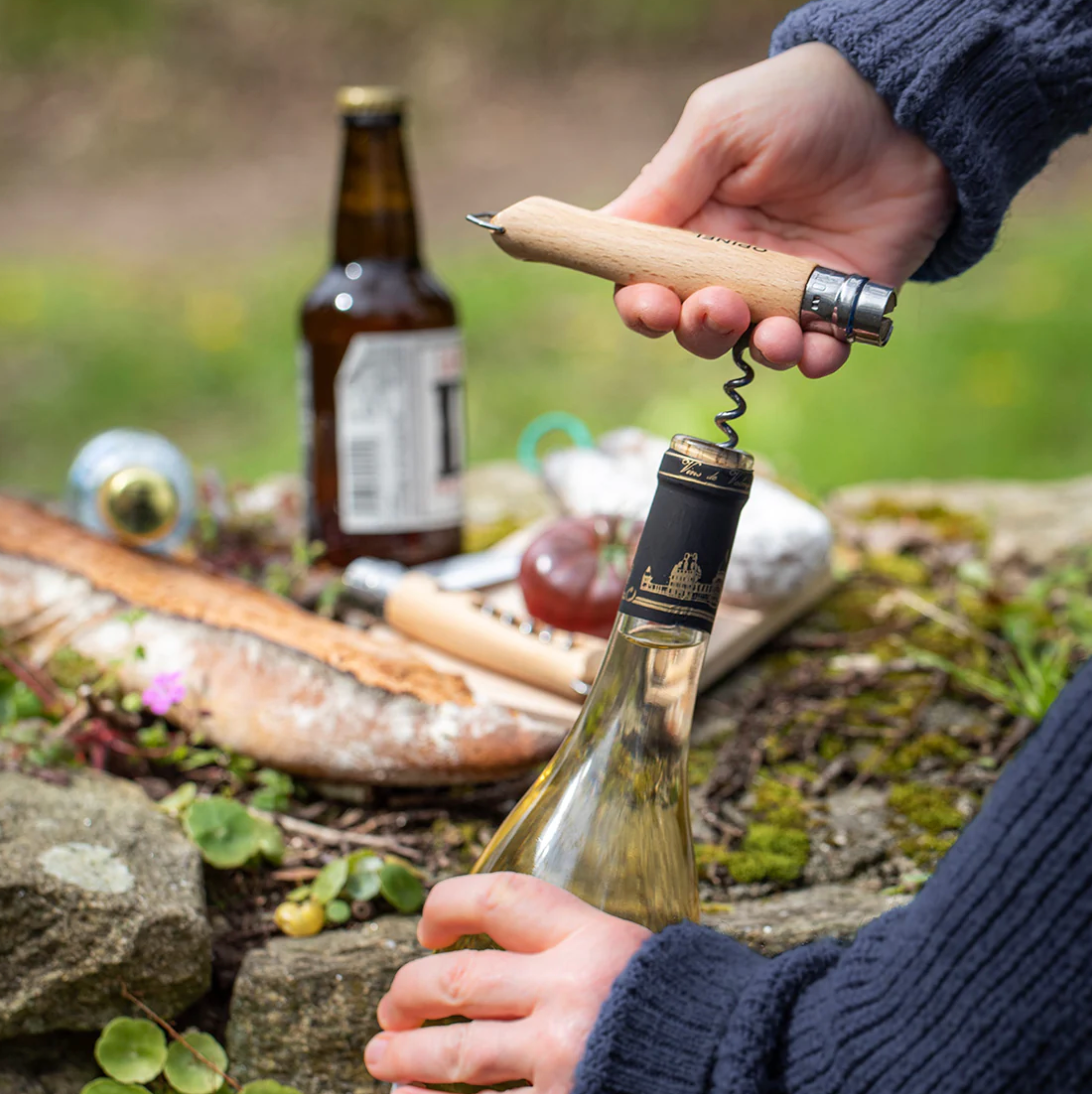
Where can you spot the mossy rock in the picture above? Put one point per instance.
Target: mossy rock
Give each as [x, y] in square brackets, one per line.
[931, 808]
[769, 853]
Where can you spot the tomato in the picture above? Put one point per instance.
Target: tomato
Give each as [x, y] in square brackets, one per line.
[573, 574]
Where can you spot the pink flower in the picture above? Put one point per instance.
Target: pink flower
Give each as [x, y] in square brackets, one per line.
[163, 692]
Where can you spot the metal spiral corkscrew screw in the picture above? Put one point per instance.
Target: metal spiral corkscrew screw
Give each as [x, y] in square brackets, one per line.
[731, 389]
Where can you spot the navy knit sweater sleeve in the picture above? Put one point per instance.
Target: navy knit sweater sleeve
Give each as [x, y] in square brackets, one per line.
[992, 86]
[982, 985]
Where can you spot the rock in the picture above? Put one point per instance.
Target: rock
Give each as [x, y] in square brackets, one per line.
[304, 1008]
[790, 919]
[1032, 520]
[96, 887]
[852, 834]
[52, 1064]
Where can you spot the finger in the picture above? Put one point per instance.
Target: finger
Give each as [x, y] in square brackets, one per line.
[682, 176]
[463, 1052]
[650, 310]
[520, 913]
[822, 355]
[712, 321]
[471, 983]
[777, 342]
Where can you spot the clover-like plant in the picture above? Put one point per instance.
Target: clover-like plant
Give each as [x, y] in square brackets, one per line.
[131, 1050]
[110, 1086]
[131, 1047]
[190, 1075]
[228, 835]
[359, 876]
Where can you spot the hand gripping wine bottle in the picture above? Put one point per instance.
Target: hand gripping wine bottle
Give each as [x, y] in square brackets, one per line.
[381, 364]
[609, 817]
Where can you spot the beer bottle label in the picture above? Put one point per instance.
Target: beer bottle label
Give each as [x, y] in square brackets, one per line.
[398, 401]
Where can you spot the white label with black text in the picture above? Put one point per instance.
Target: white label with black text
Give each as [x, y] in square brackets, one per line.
[398, 400]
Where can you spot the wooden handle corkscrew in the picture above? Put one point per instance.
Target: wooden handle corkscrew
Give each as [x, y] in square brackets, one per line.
[847, 306]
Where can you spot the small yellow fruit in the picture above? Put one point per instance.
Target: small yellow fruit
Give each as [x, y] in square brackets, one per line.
[300, 920]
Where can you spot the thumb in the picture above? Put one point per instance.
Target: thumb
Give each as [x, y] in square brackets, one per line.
[682, 176]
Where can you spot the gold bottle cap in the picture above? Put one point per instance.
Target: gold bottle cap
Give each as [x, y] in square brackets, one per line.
[371, 100]
[139, 505]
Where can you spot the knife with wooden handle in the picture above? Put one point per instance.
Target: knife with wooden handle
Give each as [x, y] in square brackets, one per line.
[461, 624]
[848, 306]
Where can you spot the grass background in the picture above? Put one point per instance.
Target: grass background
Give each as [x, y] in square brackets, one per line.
[989, 375]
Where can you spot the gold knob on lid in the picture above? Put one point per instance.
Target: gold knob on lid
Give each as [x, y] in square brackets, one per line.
[139, 505]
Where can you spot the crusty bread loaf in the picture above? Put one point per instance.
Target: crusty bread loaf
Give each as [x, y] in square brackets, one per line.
[263, 677]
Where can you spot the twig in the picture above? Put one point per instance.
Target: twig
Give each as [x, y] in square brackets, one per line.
[176, 1036]
[296, 873]
[70, 720]
[1015, 737]
[332, 837]
[837, 767]
[946, 619]
[27, 675]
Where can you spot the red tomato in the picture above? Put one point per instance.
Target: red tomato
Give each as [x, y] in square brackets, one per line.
[573, 575]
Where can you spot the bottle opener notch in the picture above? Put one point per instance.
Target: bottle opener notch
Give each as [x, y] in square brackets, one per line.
[485, 220]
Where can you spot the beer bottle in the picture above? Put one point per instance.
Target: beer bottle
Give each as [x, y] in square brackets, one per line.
[381, 363]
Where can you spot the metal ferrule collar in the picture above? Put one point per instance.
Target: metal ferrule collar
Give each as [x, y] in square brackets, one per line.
[847, 306]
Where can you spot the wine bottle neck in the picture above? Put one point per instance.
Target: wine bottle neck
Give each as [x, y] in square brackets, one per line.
[375, 213]
[646, 687]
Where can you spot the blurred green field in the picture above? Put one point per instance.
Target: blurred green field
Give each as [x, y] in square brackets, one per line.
[989, 375]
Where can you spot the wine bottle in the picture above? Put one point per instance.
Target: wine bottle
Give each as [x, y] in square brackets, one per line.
[609, 818]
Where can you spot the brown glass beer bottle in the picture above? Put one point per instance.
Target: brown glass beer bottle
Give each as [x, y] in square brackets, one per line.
[381, 364]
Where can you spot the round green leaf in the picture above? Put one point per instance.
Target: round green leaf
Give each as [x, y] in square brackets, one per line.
[225, 832]
[363, 880]
[110, 1086]
[338, 912]
[267, 1086]
[178, 800]
[330, 881]
[270, 840]
[400, 888]
[131, 1050]
[186, 1073]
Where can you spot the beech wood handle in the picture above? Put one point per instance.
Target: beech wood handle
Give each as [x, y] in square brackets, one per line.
[454, 622]
[626, 252]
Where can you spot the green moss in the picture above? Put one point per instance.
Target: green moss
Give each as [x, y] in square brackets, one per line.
[831, 746]
[70, 669]
[769, 853]
[926, 849]
[927, 745]
[778, 804]
[902, 569]
[806, 772]
[929, 807]
[707, 855]
[945, 523]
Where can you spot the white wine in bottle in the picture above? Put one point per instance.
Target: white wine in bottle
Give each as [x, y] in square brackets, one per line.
[608, 819]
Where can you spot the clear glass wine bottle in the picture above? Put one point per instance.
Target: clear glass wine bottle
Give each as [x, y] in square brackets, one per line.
[608, 818]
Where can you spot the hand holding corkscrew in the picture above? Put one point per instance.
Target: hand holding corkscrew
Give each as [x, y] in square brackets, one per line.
[798, 154]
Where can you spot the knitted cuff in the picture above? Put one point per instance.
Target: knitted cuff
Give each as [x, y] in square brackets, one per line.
[951, 72]
[660, 1028]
